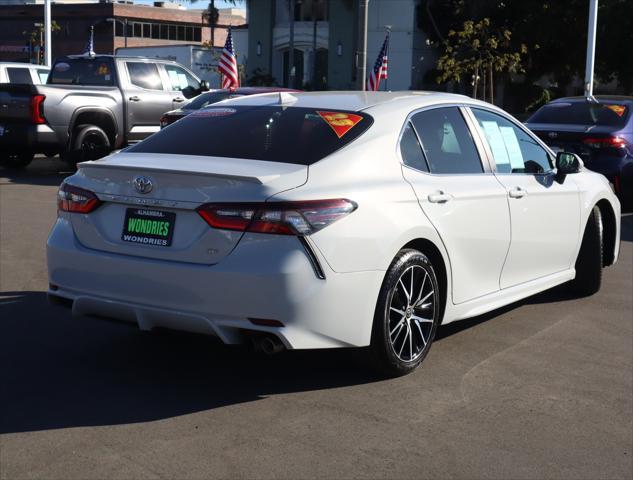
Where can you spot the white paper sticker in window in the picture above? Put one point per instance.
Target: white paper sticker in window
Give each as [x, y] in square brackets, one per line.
[512, 147]
[449, 140]
[182, 81]
[497, 145]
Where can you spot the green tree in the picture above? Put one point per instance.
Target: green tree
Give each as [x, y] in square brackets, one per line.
[36, 38]
[477, 52]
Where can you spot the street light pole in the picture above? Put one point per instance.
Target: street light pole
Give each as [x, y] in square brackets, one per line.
[591, 48]
[47, 34]
[361, 52]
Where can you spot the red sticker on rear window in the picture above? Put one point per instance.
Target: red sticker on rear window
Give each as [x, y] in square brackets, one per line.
[340, 122]
[618, 109]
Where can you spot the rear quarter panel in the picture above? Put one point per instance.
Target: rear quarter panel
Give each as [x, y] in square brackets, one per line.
[63, 103]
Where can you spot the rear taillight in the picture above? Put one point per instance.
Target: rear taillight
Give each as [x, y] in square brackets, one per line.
[287, 218]
[36, 108]
[76, 200]
[605, 142]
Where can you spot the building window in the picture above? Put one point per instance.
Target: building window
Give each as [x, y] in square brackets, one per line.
[310, 10]
[160, 31]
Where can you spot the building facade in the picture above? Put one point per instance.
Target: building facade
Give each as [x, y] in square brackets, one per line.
[325, 42]
[116, 24]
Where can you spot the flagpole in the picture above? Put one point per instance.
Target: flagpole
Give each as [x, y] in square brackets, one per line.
[388, 59]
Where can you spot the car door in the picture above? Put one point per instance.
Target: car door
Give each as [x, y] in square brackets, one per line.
[178, 79]
[545, 213]
[460, 196]
[146, 98]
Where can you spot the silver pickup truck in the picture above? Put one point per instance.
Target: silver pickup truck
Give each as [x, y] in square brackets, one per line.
[90, 106]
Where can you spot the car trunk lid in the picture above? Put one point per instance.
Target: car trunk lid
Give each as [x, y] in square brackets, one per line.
[572, 138]
[179, 184]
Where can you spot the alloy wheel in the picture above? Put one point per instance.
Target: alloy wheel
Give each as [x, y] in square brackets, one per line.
[411, 313]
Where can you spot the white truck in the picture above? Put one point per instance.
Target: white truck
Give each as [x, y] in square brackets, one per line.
[201, 61]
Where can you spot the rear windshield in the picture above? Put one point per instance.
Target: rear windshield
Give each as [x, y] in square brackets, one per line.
[208, 98]
[275, 134]
[83, 71]
[572, 113]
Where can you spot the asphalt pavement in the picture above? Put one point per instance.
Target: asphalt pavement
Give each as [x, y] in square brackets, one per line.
[540, 389]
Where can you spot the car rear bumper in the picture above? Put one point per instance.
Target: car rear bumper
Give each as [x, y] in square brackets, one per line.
[28, 138]
[265, 277]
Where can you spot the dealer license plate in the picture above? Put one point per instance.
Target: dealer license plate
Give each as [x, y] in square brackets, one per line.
[148, 227]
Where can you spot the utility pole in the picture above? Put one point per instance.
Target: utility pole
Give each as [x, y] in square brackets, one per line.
[361, 52]
[47, 34]
[291, 44]
[314, 44]
[591, 48]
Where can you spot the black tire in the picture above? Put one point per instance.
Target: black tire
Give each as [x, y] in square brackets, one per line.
[89, 142]
[589, 262]
[17, 161]
[383, 347]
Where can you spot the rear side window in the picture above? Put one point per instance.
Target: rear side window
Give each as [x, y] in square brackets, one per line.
[42, 74]
[144, 75]
[582, 113]
[272, 133]
[411, 150]
[98, 71]
[447, 142]
[19, 75]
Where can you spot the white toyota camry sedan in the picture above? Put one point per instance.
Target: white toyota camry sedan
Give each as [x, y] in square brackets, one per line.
[333, 219]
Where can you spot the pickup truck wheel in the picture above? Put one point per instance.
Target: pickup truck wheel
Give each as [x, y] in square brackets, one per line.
[89, 143]
[16, 160]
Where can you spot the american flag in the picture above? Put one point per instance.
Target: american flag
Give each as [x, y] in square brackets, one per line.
[381, 67]
[228, 64]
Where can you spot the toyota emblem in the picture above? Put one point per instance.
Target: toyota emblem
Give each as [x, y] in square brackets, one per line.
[143, 184]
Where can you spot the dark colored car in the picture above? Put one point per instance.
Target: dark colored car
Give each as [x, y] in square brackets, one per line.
[601, 133]
[215, 96]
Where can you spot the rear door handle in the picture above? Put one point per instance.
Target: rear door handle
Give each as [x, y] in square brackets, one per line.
[135, 99]
[439, 197]
[178, 99]
[517, 192]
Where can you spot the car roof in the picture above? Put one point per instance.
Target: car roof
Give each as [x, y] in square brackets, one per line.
[23, 64]
[355, 101]
[117, 57]
[605, 98]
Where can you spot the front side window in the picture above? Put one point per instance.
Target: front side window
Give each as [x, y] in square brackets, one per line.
[272, 133]
[19, 75]
[513, 150]
[144, 75]
[411, 150]
[447, 142]
[180, 79]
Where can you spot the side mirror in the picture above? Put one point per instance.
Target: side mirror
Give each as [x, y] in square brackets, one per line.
[204, 86]
[567, 163]
[189, 92]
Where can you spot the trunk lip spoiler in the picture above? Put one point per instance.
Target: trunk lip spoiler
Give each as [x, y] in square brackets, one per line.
[243, 178]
